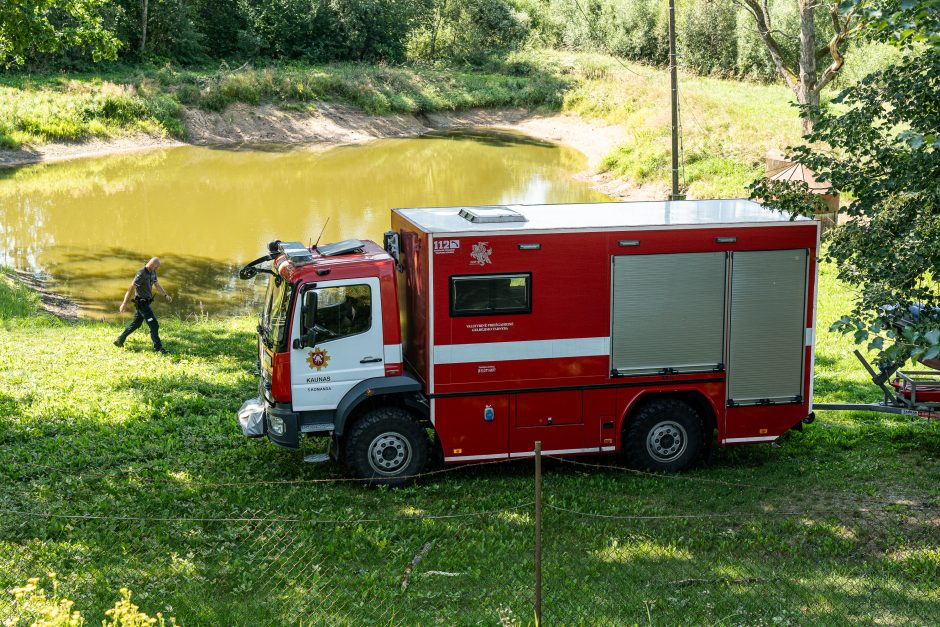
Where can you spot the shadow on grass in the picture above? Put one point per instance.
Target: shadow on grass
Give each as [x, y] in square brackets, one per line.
[835, 389]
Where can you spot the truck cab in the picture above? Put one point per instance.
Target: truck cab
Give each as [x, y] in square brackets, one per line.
[329, 348]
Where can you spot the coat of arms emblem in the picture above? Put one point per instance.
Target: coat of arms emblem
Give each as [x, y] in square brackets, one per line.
[481, 254]
[318, 359]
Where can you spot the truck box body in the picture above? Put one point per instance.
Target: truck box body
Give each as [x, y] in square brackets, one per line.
[551, 322]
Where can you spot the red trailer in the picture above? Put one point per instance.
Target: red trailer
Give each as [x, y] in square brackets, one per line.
[645, 328]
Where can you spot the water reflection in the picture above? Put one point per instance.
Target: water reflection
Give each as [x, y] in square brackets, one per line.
[91, 223]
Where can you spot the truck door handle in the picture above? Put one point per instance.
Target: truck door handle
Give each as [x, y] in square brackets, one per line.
[370, 360]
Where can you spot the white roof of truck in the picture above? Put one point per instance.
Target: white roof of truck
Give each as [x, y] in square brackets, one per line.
[590, 216]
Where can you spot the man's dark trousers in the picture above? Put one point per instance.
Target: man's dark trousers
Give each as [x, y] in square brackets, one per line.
[144, 314]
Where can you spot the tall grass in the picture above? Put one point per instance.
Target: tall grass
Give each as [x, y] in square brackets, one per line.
[17, 301]
[375, 89]
[84, 110]
[55, 109]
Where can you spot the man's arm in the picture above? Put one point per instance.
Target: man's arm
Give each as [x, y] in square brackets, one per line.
[157, 285]
[132, 290]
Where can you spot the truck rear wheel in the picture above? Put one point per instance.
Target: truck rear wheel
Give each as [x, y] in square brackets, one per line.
[665, 436]
[387, 446]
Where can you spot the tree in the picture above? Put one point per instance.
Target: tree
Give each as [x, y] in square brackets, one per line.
[143, 26]
[28, 27]
[801, 71]
[882, 145]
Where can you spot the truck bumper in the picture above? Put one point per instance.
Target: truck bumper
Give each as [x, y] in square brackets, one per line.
[258, 417]
[281, 423]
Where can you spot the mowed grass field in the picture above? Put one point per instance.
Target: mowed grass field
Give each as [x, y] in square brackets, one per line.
[125, 468]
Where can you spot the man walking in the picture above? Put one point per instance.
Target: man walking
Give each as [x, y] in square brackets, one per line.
[142, 290]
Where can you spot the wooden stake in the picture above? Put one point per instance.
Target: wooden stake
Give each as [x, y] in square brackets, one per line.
[538, 533]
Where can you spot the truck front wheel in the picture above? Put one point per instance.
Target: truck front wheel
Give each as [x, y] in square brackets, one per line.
[388, 447]
[664, 436]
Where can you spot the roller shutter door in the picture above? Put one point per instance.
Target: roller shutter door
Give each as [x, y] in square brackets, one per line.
[668, 313]
[767, 331]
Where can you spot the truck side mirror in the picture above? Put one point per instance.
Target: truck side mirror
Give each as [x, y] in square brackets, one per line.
[308, 318]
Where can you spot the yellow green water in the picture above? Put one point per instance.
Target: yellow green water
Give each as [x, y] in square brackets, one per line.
[89, 224]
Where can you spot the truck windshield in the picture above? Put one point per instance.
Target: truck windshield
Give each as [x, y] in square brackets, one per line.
[274, 316]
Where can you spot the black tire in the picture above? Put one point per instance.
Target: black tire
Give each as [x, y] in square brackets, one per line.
[666, 435]
[387, 446]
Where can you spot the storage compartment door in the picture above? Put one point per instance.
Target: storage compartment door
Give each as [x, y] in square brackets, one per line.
[668, 313]
[556, 419]
[768, 320]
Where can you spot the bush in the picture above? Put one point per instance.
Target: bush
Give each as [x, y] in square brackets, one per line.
[32, 606]
[470, 31]
[753, 61]
[640, 31]
[707, 39]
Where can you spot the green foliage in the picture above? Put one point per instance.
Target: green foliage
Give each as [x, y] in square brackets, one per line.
[32, 606]
[708, 41]
[468, 31]
[77, 110]
[902, 22]
[31, 27]
[882, 146]
[17, 301]
[715, 37]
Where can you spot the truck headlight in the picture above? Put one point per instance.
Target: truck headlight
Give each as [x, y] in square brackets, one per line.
[276, 424]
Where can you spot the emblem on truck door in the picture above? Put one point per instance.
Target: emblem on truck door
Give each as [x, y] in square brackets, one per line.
[318, 358]
[481, 254]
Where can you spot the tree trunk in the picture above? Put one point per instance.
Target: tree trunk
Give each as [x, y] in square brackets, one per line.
[143, 26]
[807, 92]
[436, 26]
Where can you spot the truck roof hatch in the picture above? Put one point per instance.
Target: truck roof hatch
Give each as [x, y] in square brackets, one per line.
[340, 248]
[296, 252]
[482, 215]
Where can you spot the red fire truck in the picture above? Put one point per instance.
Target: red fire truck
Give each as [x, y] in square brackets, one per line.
[644, 328]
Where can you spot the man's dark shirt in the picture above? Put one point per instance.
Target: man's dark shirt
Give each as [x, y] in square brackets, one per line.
[144, 280]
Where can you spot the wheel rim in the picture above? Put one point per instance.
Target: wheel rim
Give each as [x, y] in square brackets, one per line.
[666, 441]
[389, 453]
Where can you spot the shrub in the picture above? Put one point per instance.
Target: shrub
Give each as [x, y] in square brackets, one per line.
[707, 41]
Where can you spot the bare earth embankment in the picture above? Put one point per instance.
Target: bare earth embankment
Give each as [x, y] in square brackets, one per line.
[333, 125]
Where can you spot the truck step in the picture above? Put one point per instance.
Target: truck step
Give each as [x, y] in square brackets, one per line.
[324, 427]
[316, 458]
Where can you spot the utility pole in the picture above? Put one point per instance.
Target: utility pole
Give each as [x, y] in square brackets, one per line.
[674, 84]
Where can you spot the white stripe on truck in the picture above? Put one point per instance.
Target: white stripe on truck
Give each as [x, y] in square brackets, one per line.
[512, 351]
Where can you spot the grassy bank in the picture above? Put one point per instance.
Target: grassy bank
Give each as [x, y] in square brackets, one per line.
[17, 301]
[836, 526]
[120, 102]
[727, 125]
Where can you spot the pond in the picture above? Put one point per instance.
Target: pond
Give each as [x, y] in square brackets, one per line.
[89, 224]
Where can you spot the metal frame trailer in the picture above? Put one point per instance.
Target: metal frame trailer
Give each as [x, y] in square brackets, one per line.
[902, 398]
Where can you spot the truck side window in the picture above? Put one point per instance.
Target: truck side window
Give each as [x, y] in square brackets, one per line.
[344, 311]
[482, 294]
